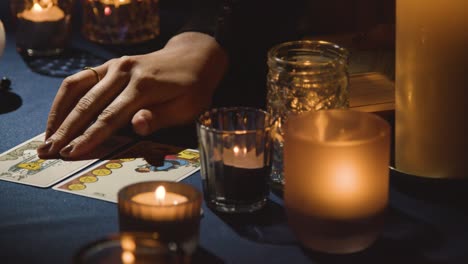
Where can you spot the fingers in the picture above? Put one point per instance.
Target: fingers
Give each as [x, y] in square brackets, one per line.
[113, 117]
[70, 91]
[143, 122]
[84, 112]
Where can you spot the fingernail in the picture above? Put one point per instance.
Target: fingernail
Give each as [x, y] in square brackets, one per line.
[48, 133]
[65, 152]
[44, 148]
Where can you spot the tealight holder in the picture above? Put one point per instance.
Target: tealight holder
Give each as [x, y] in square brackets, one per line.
[129, 248]
[120, 21]
[337, 178]
[235, 149]
[43, 27]
[170, 209]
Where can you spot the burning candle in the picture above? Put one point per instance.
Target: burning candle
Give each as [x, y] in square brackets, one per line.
[43, 11]
[116, 3]
[172, 210]
[336, 169]
[159, 197]
[44, 27]
[129, 248]
[240, 157]
[431, 88]
[235, 164]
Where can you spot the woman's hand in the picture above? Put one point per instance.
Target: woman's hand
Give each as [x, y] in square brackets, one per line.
[164, 88]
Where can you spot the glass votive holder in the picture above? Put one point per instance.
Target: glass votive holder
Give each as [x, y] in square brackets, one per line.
[337, 178]
[129, 248]
[303, 76]
[120, 21]
[43, 27]
[234, 146]
[170, 209]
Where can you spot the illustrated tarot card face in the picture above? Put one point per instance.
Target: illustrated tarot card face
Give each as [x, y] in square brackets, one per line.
[21, 164]
[145, 161]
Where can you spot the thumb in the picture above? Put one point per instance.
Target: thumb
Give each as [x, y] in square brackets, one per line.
[143, 122]
[150, 119]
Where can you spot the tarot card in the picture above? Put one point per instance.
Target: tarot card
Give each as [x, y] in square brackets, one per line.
[145, 161]
[22, 165]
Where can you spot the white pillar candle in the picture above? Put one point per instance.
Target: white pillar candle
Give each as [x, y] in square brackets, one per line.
[432, 88]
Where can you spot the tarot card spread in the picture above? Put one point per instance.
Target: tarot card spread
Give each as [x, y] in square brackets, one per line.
[22, 165]
[145, 161]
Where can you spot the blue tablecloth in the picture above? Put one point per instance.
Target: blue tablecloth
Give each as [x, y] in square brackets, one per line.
[427, 222]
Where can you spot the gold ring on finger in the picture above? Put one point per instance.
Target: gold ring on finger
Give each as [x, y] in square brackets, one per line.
[98, 78]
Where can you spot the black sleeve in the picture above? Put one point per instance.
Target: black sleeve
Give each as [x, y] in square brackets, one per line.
[203, 16]
[246, 24]
[246, 29]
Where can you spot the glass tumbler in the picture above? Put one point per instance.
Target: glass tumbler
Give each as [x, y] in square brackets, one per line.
[43, 27]
[303, 76]
[235, 153]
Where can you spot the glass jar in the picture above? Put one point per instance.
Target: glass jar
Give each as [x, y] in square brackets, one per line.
[303, 76]
[120, 21]
[43, 27]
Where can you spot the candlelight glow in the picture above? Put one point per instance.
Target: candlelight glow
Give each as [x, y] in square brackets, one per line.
[236, 150]
[127, 243]
[128, 257]
[37, 7]
[160, 193]
[41, 5]
[345, 181]
[107, 11]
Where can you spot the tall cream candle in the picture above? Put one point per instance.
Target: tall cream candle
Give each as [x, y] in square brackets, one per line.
[432, 88]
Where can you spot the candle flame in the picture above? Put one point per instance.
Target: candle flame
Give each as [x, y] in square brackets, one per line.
[40, 5]
[160, 193]
[128, 257]
[37, 7]
[236, 150]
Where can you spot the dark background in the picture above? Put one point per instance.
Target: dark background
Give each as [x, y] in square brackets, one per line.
[426, 221]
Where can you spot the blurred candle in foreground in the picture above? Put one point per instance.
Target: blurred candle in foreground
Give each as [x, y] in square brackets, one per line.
[432, 88]
[336, 172]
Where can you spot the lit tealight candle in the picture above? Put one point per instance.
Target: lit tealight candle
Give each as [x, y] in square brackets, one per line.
[159, 197]
[336, 169]
[42, 13]
[170, 209]
[240, 157]
[116, 3]
[43, 28]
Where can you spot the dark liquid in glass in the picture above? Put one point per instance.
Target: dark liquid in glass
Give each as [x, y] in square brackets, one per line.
[237, 186]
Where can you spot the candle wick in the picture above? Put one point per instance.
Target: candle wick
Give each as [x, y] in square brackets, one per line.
[159, 201]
